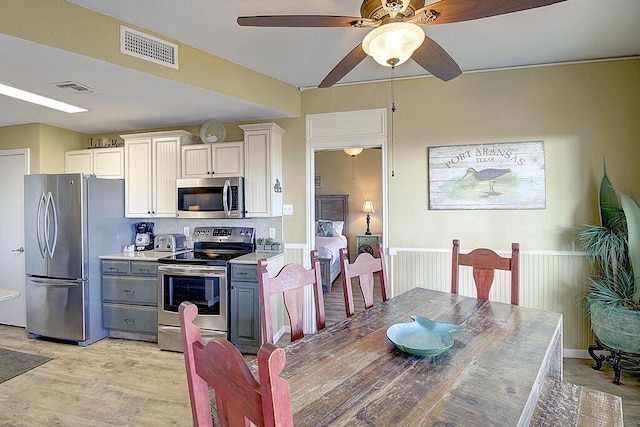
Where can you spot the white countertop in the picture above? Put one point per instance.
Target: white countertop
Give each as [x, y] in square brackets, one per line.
[139, 255]
[251, 258]
[7, 294]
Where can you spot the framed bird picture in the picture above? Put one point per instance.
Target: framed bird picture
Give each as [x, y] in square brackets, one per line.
[508, 175]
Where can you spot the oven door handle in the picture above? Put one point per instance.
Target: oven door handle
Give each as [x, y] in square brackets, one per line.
[192, 271]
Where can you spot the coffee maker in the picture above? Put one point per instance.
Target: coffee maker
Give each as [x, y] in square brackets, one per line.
[144, 236]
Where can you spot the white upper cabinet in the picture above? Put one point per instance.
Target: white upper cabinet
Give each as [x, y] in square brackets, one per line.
[263, 169]
[223, 160]
[152, 165]
[101, 162]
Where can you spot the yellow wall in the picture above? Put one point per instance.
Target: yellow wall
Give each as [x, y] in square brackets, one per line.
[47, 144]
[53, 143]
[23, 136]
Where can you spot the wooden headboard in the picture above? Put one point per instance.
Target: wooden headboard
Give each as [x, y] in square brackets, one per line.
[334, 208]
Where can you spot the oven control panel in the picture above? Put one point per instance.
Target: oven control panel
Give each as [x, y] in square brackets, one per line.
[223, 234]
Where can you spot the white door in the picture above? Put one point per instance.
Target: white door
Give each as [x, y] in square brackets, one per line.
[14, 164]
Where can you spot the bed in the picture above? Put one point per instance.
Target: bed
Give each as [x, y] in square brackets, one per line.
[332, 229]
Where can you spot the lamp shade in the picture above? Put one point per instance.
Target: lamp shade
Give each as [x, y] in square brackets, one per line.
[353, 151]
[367, 207]
[392, 44]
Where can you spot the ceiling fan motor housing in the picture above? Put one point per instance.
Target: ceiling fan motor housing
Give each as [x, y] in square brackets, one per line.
[374, 9]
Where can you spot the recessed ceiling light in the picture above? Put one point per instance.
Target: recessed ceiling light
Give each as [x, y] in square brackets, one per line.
[38, 99]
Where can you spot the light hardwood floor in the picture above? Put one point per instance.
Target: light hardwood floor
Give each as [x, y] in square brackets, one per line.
[130, 383]
[109, 383]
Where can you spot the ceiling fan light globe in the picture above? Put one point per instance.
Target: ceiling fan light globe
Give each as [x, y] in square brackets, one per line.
[353, 151]
[392, 44]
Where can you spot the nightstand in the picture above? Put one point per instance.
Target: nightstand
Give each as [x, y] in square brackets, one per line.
[367, 243]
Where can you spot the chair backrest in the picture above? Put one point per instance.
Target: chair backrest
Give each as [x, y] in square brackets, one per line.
[290, 282]
[485, 262]
[363, 267]
[239, 397]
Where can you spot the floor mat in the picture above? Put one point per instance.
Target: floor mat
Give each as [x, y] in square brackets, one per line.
[14, 363]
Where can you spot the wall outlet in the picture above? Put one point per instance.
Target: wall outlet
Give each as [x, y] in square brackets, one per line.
[287, 209]
[185, 231]
[272, 233]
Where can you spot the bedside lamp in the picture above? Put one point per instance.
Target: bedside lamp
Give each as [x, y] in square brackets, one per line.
[367, 207]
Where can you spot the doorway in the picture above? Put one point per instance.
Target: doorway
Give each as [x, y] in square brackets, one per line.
[14, 164]
[337, 131]
[358, 176]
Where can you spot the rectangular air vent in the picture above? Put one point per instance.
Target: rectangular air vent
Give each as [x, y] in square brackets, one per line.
[74, 87]
[147, 47]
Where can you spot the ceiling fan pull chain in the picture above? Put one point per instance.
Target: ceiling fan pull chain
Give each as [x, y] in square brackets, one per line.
[353, 168]
[393, 110]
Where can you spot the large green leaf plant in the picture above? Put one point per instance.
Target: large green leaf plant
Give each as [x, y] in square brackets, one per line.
[613, 250]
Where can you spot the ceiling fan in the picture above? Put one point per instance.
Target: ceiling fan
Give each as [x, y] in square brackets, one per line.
[395, 20]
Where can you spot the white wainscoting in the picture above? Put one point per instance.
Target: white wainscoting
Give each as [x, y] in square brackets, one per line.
[551, 281]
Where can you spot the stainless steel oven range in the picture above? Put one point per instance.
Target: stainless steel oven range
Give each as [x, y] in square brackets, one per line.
[201, 277]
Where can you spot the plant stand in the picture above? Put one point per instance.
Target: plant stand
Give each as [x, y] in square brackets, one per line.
[618, 359]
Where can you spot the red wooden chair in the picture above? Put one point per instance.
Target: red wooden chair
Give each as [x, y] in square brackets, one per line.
[239, 398]
[364, 268]
[485, 262]
[290, 281]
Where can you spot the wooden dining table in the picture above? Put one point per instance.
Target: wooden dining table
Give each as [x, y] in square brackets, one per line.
[351, 374]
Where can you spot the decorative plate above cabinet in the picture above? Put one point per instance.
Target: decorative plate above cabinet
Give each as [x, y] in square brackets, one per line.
[212, 131]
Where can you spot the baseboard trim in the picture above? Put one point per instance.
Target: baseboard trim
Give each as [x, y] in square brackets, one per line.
[572, 353]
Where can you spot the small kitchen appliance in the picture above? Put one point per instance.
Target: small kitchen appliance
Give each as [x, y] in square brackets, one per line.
[144, 236]
[170, 242]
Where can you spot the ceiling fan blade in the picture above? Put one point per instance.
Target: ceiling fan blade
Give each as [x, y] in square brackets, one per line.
[433, 58]
[450, 11]
[347, 64]
[304, 21]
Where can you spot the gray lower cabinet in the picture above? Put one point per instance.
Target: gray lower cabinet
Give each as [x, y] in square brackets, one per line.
[245, 308]
[130, 298]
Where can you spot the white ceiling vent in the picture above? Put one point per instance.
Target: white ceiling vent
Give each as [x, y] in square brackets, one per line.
[74, 87]
[147, 47]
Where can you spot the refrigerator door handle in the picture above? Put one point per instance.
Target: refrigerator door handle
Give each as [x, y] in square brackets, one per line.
[51, 246]
[40, 219]
[55, 226]
[49, 283]
[46, 224]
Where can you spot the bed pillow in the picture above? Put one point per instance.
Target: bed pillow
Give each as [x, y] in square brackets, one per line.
[325, 229]
[338, 226]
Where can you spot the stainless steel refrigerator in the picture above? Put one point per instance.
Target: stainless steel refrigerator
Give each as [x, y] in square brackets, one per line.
[70, 220]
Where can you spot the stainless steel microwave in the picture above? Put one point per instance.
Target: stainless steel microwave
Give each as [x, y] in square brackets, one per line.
[211, 197]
